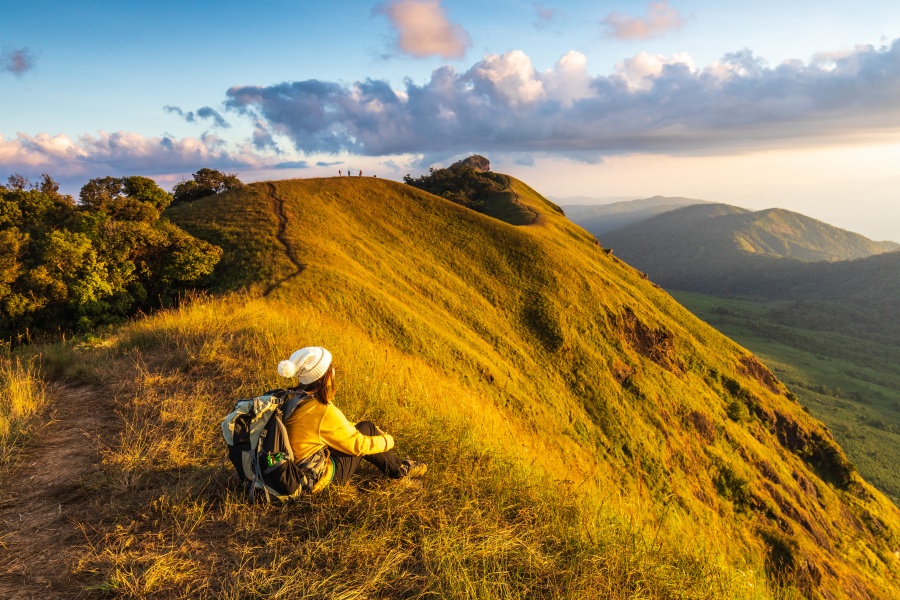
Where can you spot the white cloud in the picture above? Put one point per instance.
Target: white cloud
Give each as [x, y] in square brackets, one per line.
[510, 77]
[568, 81]
[659, 20]
[423, 29]
[640, 71]
[649, 104]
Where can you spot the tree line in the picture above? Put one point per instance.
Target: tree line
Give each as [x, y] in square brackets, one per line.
[71, 266]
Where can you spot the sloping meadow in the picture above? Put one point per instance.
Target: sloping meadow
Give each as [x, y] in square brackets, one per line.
[585, 435]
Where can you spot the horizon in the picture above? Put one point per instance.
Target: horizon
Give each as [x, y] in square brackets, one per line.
[675, 98]
[585, 201]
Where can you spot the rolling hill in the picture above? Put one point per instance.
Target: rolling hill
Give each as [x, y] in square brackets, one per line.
[710, 247]
[586, 435]
[604, 218]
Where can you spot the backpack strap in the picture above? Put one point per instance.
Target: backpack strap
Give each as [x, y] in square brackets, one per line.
[258, 476]
[295, 402]
[284, 436]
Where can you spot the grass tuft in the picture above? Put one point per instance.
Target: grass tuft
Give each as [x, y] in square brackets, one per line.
[22, 395]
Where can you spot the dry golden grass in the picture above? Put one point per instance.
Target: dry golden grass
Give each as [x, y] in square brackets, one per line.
[574, 419]
[22, 395]
[482, 524]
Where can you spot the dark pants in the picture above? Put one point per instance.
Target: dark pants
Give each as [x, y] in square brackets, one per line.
[345, 465]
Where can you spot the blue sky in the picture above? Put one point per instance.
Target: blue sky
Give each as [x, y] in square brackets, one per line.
[765, 104]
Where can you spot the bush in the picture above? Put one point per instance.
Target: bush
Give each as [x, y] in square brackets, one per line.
[206, 182]
[737, 411]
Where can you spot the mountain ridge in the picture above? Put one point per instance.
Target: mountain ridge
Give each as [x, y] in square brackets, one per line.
[685, 246]
[586, 436]
[633, 337]
[604, 218]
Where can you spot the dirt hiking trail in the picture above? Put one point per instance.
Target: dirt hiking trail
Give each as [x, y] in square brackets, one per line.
[278, 204]
[46, 498]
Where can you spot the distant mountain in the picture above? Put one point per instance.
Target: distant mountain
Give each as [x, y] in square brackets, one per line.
[712, 247]
[600, 219]
[589, 201]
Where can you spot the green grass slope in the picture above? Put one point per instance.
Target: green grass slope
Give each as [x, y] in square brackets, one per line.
[701, 247]
[847, 377]
[586, 435]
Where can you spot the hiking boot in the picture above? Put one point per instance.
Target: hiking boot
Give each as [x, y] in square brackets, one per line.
[411, 468]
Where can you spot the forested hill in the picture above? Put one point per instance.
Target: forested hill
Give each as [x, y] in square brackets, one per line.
[689, 247]
[686, 250]
[561, 350]
[68, 266]
[604, 218]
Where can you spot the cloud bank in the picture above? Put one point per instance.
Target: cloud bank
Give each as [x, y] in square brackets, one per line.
[424, 30]
[121, 153]
[17, 62]
[659, 20]
[650, 103]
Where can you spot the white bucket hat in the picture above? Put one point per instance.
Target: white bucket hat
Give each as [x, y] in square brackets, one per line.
[307, 364]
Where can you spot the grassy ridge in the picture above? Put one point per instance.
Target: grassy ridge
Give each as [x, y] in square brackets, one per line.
[618, 386]
[586, 436]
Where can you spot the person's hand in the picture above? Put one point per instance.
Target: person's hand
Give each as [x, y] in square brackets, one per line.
[378, 430]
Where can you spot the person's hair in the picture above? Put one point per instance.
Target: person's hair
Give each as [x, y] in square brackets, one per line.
[322, 388]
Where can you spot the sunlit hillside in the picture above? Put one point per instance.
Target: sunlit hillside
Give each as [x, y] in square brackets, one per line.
[586, 436]
[569, 346]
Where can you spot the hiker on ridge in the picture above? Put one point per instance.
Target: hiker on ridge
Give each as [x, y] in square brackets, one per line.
[317, 424]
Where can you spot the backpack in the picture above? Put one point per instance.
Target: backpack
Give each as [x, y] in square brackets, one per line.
[260, 451]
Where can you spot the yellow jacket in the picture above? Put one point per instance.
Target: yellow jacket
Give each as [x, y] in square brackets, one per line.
[313, 425]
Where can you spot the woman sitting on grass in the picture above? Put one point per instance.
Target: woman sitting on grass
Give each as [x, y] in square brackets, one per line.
[317, 424]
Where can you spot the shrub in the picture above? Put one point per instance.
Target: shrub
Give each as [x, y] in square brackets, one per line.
[737, 411]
